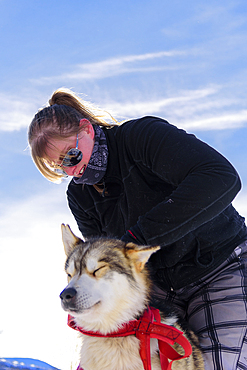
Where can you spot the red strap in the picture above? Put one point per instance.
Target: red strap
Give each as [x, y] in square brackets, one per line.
[166, 351]
[125, 330]
[149, 326]
[166, 336]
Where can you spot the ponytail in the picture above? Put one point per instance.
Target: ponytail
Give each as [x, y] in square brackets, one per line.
[67, 97]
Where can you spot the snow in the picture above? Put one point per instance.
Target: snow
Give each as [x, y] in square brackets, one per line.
[24, 364]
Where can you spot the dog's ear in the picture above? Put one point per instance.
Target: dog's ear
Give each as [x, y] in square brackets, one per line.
[140, 254]
[69, 239]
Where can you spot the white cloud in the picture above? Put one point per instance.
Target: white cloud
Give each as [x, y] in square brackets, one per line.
[16, 112]
[200, 109]
[112, 67]
[142, 107]
[232, 120]
[185, 109]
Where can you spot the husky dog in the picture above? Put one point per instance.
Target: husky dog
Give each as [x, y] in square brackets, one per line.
[109, 287]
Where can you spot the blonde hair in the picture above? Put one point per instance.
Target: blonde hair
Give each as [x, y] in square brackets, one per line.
[60, 120]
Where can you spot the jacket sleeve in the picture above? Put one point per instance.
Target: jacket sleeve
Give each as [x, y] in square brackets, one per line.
[205, 183]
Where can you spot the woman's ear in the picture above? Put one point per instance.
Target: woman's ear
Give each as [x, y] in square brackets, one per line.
[84, 122]
[87, 127]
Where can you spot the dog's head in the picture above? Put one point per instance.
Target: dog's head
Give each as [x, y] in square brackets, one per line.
[107, 281]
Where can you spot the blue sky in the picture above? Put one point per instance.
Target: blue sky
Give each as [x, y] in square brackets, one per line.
[182, 60]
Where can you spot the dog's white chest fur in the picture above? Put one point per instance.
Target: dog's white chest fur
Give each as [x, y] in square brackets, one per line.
[115, 354]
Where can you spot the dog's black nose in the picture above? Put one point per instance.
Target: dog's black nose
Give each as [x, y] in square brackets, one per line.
[67, 294]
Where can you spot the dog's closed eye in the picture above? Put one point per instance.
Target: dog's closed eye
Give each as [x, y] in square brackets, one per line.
[100, 271]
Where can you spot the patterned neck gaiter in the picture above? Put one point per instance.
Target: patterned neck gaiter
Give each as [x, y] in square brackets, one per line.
[97, 164]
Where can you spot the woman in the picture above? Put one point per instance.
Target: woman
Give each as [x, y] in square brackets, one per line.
[148, 182]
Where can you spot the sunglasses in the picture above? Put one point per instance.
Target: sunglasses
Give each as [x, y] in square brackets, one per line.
[72, 157]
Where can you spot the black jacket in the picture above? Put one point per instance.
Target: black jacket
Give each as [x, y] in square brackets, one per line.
[170, 189]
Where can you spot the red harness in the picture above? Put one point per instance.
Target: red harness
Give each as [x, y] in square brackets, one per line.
[144, 329]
